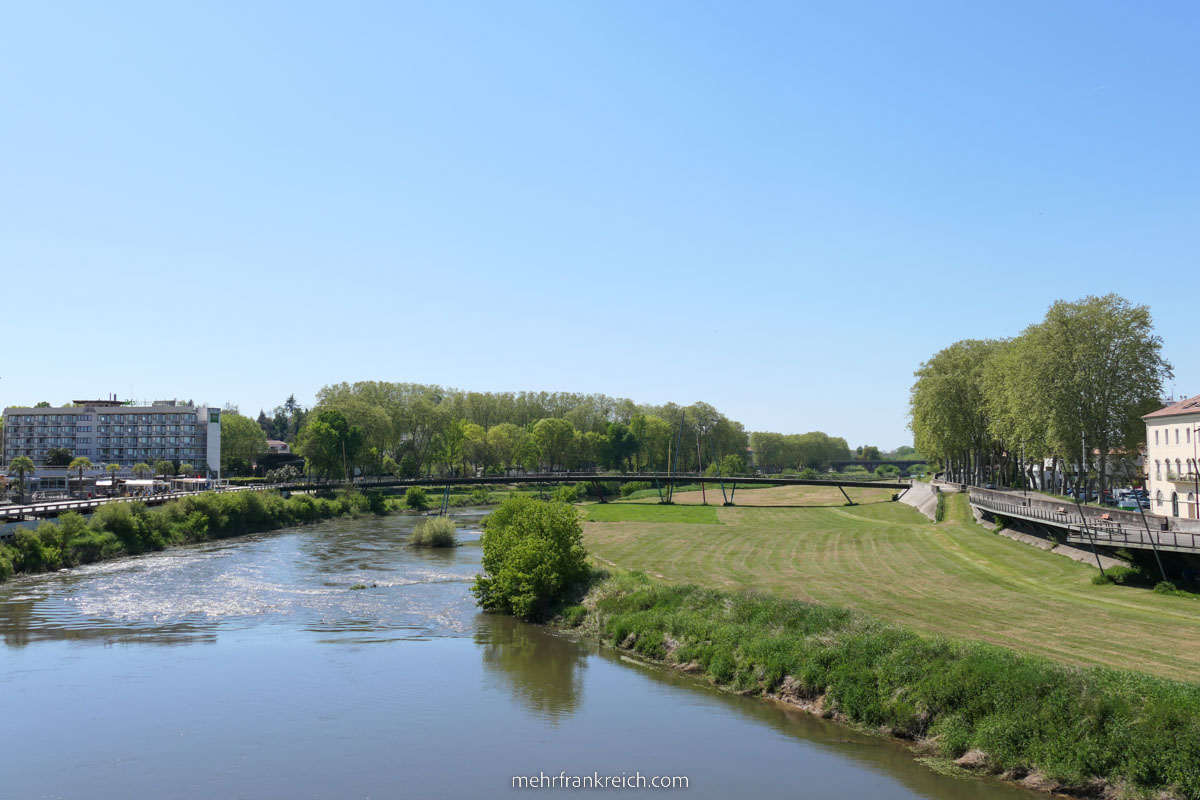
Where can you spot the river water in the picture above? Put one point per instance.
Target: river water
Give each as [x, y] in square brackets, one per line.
[249, 668]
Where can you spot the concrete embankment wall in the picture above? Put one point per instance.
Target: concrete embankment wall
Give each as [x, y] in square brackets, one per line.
[923, 497]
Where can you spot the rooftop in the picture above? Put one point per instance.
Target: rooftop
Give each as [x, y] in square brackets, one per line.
[1189, 405]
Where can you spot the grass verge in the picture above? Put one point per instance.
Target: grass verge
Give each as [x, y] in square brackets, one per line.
[1052, 726]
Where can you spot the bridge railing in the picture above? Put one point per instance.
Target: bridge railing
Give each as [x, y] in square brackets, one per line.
[1100, 531]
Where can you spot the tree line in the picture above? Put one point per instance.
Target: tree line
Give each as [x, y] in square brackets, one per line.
[1070, 389]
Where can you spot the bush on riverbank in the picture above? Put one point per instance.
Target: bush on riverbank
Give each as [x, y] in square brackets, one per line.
[532, 555]
[433, 532]
[118, 529]
[1028, 716]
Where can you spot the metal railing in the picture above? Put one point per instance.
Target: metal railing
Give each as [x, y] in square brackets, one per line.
[1089, 530]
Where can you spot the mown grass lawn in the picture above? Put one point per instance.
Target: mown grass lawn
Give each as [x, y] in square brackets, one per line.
[954, 578]
[639, 512]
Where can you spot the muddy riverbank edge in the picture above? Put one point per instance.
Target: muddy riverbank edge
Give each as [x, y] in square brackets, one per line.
[964, 707]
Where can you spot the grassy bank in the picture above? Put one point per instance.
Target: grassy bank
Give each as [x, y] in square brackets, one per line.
[120, 529]
[953, 578]
[1055, 727]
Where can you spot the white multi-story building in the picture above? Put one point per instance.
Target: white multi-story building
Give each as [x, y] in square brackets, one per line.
[1171, 454]
[111, 432]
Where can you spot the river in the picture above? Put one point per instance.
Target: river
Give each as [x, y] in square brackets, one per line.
[249, 668]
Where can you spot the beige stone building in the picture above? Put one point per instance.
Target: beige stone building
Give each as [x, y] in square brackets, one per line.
[1171, 454]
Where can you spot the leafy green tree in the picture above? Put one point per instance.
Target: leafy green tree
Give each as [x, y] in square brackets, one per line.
[21, 466]
[57, 457]
[186, 468]
[477, 448]
[43, 404]
[1099, 367]
[408, 467]
[80, 463]
[142, 470]
[164, 468]
[553, 438]
[532, 556]
[451, 444]
[329, 443]
[242, 440]
[112, 470]
[505, 440]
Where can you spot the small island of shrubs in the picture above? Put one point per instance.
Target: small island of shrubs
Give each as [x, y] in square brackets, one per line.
[433, 532]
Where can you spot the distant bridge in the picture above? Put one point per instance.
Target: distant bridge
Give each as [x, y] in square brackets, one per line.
[871, 466]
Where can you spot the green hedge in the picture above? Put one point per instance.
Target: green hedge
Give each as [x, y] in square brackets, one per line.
[1027, 714]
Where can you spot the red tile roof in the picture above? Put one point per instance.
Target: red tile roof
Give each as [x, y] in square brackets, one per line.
[1190, 405]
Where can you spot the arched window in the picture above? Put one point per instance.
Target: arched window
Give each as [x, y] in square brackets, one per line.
[1158, 498]
[1178, 468]
[1174, 504]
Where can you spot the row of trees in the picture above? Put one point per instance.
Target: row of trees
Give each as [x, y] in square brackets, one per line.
[775, 452]
[1072, 388]
[412, 429]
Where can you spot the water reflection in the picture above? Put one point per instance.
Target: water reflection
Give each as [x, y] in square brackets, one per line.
[544, 672]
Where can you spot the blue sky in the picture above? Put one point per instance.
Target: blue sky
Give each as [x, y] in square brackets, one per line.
[780, 209]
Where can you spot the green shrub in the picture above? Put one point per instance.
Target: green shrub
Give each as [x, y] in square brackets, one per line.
[480, 496]
[416, 498]
[7, 554]
[568, 493]
[808, 474]
[1118, 575]
[939, 514]
[635, 486]
[532, 556]
[433, 532]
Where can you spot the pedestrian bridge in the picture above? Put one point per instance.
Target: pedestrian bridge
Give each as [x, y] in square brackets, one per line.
[1089, 530]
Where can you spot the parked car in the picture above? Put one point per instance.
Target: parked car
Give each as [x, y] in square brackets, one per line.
[1128, 502]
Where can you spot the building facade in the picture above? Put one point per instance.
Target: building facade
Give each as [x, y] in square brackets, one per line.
[110, 432]
[1171, 454]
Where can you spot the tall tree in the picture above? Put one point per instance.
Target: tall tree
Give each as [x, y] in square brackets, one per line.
[80, 463]
[553, 438]
[329, 443]
[21, 466]
[242, 440]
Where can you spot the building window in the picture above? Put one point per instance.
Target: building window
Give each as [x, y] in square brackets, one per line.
[1177, 436]
[1174, 504]
[83, 452]
[1187, 435]
[1156, 436]
[1158, 498]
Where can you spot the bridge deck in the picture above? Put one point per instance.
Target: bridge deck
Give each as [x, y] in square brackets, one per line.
[1107, 534]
